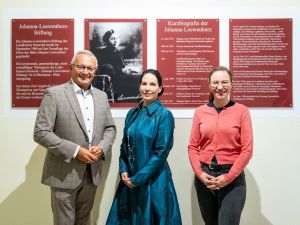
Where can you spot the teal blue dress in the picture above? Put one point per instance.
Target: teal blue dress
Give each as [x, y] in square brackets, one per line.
[147, 141]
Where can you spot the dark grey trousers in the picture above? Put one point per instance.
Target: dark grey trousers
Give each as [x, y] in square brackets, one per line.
[224, 206]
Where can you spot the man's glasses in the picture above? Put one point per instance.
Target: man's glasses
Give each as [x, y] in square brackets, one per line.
[224, 83]
[81, 68]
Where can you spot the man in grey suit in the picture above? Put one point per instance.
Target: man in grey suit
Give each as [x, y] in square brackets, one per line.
[74, 123]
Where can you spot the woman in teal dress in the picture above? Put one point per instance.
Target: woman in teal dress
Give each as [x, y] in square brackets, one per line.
[146, 193]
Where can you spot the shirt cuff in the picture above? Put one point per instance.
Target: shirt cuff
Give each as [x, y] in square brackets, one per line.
[76, 152]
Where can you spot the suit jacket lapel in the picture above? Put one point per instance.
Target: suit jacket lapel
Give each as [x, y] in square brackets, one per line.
[72, 98]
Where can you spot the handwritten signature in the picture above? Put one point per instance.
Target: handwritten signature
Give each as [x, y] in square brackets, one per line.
[122, 97]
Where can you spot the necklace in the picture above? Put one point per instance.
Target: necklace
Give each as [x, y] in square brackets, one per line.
[130, 150]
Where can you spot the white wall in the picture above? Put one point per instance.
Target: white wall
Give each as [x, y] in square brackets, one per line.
[273, 185]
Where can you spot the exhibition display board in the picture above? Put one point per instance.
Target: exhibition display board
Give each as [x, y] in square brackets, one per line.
[261, 61]
[41, 53]
[186, 52]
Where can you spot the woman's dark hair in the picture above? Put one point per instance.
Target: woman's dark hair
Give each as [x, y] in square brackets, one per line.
[107, 35]
[219, 68]
[158, 76]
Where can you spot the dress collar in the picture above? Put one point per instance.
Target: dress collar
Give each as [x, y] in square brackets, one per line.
[151, 108]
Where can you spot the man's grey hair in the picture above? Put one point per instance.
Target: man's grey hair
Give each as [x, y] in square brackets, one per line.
[84, 52]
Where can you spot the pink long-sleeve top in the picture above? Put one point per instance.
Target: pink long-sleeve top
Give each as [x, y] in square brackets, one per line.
[227, 135]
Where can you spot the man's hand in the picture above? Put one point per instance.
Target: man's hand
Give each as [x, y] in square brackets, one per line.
[96, 151]
[84, 155]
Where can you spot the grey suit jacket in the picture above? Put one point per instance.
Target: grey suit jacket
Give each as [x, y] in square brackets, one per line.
[60, 128]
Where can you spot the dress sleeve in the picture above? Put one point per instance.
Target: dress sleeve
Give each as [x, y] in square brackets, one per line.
[246, 139]
[161, 148]
[123, 157]
[194, 145]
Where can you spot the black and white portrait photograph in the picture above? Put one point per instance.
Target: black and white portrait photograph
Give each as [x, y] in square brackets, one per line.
[119, 48]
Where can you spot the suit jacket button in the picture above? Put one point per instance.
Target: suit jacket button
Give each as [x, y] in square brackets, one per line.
[86, 139]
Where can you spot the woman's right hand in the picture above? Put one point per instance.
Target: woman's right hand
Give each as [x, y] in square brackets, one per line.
[126, 180]
[209, 181]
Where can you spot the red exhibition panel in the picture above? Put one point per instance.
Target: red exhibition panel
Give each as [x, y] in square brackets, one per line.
[42, 50]
[187, 49]
[261, 61]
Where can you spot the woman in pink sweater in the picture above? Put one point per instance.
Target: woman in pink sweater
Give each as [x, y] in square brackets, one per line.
[220, 147]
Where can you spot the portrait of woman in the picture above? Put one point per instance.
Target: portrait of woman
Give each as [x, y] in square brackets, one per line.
[146, 193]
[220, 147]
[119, 50]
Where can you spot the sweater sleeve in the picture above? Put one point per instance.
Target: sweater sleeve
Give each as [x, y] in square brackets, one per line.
[194, 145]
[246, 141]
